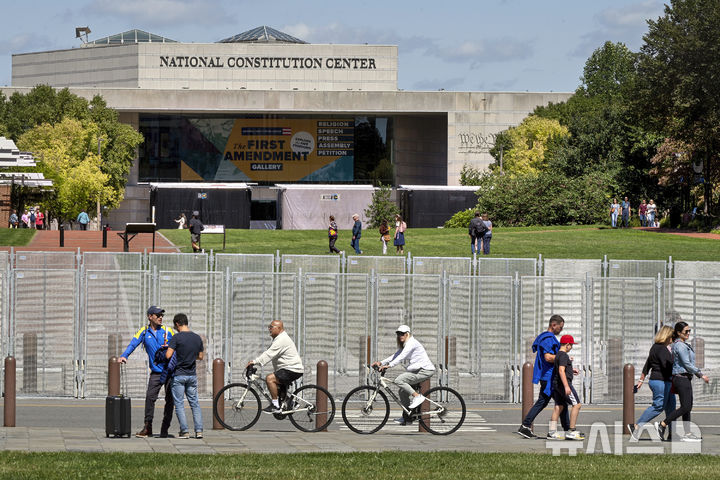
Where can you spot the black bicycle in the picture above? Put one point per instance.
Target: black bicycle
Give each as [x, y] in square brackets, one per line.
[241, 405]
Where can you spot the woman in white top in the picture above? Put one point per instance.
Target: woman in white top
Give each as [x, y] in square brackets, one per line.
[419, 369]
[614, 211]
[651, 208]
[181, 221]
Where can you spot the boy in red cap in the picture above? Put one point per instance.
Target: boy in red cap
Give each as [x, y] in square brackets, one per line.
[563, 392]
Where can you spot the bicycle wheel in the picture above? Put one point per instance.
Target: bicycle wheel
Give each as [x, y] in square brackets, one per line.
[447, 411]
[241, 409]
[304, 400]
[365, 410]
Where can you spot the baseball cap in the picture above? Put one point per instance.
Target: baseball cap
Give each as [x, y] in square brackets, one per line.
[402, 329]
[567, 339]
[153, 310]
[196, 213]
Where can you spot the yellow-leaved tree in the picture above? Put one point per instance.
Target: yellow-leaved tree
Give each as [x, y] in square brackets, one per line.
[528, 143]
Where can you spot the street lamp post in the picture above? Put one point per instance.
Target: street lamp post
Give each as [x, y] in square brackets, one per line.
[99, 213]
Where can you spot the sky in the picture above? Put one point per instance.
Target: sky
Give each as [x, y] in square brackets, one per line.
[457, 45]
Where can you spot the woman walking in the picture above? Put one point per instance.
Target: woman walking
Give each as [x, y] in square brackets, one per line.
[614, 211]
[384, 235]
[400, 228]
[660, 361]
[333, 235]
[683, 370]
[651, 211]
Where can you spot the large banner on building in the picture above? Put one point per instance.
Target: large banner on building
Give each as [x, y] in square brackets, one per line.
[290, 150]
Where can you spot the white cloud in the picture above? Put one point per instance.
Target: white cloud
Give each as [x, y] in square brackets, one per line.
[343, 34]
[479, 52]
[26, 42]
[162, 12]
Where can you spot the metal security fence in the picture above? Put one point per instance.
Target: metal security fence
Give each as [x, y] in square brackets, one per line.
[441, 265]
[62, 324]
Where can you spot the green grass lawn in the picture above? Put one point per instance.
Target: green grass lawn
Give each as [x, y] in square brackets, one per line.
[551, 242]
[371, 466]
[15, 237]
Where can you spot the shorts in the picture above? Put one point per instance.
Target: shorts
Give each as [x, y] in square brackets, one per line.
[567, 400]
[195, 237]
[286, 377]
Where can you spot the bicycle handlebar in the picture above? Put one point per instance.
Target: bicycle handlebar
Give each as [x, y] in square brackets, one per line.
[251, 370]
[377, 369]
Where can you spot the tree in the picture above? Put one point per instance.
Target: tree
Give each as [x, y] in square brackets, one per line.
[69, 159]
[381, 207]
[528, 142]
[678, 82]
[609, 71]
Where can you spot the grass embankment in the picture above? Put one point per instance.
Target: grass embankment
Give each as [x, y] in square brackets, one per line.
[324, 466]
[15, 237]
[551, 242]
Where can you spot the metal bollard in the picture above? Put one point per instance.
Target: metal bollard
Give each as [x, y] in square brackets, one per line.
[218, 375]
[113, 377]
[10, 392]
[104, 238]
[322, 400]
[114, 345]
[425, 407]
[527, 389]
[62, 235]
[628, 397]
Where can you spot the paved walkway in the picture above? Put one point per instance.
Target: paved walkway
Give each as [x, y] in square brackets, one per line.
[78, 425]
[91, 241]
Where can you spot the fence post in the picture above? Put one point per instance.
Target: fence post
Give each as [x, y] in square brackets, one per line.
[61, 228]
[10, 393]
[425, 407]
[628, 397]
[527, 389]
[30, 363]
[218, 374]
[321, 400]
[113, 377]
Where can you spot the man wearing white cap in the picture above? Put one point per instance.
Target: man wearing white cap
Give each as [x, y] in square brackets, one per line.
[419, 369]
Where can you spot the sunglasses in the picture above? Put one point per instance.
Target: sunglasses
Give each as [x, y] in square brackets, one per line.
[686, 332]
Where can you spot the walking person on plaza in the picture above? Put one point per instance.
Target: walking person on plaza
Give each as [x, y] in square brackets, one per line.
[626, 212]
[14, 220]
[83, 220]
[683, 370]
[153, 336]
[39, 219]
[564, 393]
[399, 241]
[614, 211]
[384, 235]
[181, 221]
[188, 347]
[286, 362]
[356, 234]
[546, 347]
[651, 212]
[333, 235]
[487, 236]
[642, 211]
[196, 227]
[419, 368]
[32, 218]
[660, 361]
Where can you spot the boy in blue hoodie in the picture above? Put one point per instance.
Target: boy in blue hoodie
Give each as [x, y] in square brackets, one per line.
[545, 346]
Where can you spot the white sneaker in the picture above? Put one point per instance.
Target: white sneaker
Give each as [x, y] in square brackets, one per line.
[690, 437]
[555, 436]
[574, 435]
[417, 401]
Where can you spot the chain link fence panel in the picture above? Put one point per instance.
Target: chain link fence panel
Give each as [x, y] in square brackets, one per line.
[572, 268]
[46, 260]
[637, 268]
[506, 267]
[696, 270]
[362, 264]
[178, 262]
[255, 300]
[44, 332]
[114, 309]
[199, 295]
[310, 263]
[442, 265]
[125, 261]
[241, 262]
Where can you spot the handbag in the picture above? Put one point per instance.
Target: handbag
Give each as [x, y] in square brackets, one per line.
[386, 237]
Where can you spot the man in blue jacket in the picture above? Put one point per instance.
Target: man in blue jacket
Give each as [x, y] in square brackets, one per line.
[545, 346]
[356, 234]
[153, 336]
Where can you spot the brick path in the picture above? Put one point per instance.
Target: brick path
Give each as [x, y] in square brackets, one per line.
[91, 241]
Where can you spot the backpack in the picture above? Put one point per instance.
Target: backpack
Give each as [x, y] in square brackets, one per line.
[479, 228]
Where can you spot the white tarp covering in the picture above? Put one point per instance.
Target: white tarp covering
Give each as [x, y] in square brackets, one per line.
[308, 207]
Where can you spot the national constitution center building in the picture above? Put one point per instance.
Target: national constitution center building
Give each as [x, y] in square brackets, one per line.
[264, 108]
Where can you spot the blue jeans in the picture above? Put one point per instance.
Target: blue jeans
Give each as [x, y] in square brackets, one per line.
[356, 245]
[643, 223]
[613, 219]
[662, 400]
[186, 385]
[486, 244]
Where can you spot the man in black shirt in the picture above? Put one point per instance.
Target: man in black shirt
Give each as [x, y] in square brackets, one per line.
[563, 392]
[187, 347]
[196, 227]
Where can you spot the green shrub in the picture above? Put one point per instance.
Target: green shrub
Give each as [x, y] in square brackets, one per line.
[665, 222]
[461, 219]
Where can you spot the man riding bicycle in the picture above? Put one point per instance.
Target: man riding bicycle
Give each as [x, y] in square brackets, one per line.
[286, 362]
[419, 369]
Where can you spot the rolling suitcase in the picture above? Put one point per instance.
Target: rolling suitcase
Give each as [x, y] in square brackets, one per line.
[117, 416]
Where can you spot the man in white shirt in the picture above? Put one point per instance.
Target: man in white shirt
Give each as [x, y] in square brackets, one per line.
[287, 365]
[419, 369]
